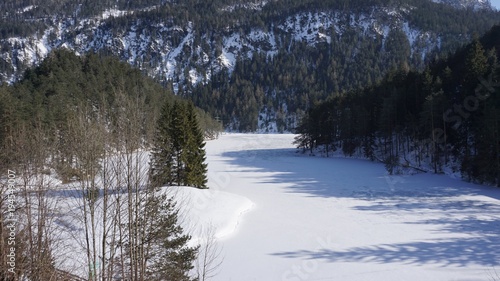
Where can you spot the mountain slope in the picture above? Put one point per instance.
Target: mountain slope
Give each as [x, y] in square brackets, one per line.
[445, 119]
[467, 4]
[189, 42]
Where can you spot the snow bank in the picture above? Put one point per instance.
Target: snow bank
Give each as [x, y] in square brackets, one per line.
[201, 209]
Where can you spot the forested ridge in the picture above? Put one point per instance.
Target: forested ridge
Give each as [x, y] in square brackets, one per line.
[270, 92]
[256, 65]
[80, 129]
[80, 125]
[66, 86]
[443, 119]
[21, 18]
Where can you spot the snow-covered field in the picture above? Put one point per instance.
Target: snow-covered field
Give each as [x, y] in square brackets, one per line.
[281, 215]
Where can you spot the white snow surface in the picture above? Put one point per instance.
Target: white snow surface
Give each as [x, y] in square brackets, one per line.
[201, 210]
[278, 214]
[317, 218]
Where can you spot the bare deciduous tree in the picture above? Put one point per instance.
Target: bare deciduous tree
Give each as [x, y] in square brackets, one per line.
[210, 259]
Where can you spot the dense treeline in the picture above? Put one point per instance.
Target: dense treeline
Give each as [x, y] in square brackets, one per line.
[213, 19]
[280, 85]
[89, 122]
[23, 18]
[286, 84]
[214, 16]
[445, 116]
[52, 93]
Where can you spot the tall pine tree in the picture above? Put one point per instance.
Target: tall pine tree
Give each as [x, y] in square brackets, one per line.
[179, 132]
[178, 153]
[196, 168]
[162, 153]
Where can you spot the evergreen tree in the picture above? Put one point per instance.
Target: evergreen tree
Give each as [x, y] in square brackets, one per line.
[476, 63]
[179, 132]
[304, 138]
[178, 154]
[196, 169]
[173, 259]
[162, 153]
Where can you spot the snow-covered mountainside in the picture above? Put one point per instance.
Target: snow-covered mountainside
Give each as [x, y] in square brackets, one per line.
[474, 4]
[175, 43]
[180, 53]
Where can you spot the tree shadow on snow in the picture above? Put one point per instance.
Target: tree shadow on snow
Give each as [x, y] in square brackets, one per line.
[469, 214]
[478, 241]
[346, 177]
[460, 252]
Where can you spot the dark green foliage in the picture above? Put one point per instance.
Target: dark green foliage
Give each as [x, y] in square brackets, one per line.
[162, 152]
[476, 62]
[51, 95]
[300, 74]
[173, 259]
[285, 85]
[211, 15]
[196, 168]
[178, 154]
[447, 113]
[179, 133]
[75, 110]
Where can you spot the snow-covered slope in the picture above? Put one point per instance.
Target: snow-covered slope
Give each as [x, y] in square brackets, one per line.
[179, 53]
[467, 4]
[204, 215]
[182, 55]
[209, 208]
[186, 52]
